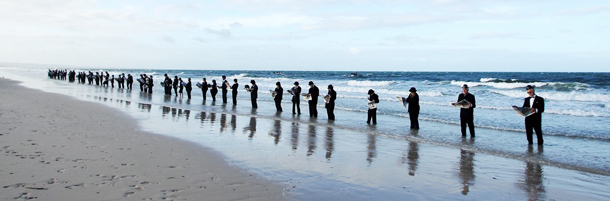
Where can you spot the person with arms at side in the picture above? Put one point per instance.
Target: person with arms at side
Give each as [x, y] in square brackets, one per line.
[189, 88]
[204, 88]
[296, 101]
[214, 90]
[225, 88]
[253, 93]
[175, 85]
[467, 114]
[330, 105]
[234, 88]
[150, 84]
[167, 83]
[129, 81]
[413, 109]
[534, 121]
[314, 92]
[180, 86]
[372, 101]
[279, 91]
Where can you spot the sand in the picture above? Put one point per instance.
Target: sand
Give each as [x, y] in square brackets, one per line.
[55, 147]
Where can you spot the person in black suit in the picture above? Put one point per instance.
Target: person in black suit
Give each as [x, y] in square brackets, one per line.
[467, 114]
[204, 88]
[534, 121]
[296, 101]
[150, 84]
[372, 112]
[253, 93]
[214, 90]
[330, 105]
[225, 88]
[413, 109]
[278, 96]
[314, 92]
[234, 91]
[189, 88]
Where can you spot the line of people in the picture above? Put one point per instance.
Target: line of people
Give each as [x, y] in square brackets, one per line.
[532, 122]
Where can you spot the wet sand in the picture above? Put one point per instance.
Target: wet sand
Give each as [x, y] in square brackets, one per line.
[316, 160]
[55, 147]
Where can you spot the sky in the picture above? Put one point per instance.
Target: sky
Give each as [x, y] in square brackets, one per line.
[354, 35]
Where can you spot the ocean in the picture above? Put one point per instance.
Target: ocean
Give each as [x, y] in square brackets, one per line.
[575, 123]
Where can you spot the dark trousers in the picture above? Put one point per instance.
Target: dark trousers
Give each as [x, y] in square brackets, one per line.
[213, 95]
[188, 93]
[150, 90]
[296, 104]
[129, 85]
[532, 124]
[414, 122]
[330, 110]
[224, 96]
[467, 119]
[278, 105]
[175, 90]
[141, 87]
[372, 114]
[253, 100]
[234, 98]
[204, 93]
[313, 110]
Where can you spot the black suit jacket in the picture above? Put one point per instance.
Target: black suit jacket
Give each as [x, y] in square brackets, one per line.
[470, 98]
[538, 104]
[413, 104]
[314, 92]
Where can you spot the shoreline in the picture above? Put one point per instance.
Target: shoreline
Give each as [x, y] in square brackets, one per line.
[60, 148]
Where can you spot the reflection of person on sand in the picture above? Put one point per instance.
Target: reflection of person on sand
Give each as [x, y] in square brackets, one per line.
[329, 144]
[371, 148]
[534, 121]
[413, 109]
[466, 170]
[533, 184]
[296, 101]
[372, 103]
[253, 93]
[330, 104]
[467, 114]
[278, 96]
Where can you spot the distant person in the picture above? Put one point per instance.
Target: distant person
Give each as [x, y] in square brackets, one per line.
[253, 93]
[204, 88]
[330, 105]
[314, 92]
[413, 109]
[150, 84]
[180, 86]
[175, 86]
[234, 88]
[122, 81]
[372, 112]
[467, 114]
[189, 88]
[167, 83]
[142, 82]
[129, 82]
[534, 121]
[214, 90]
[225, 88]
[97, 78]
[278, 96]
[296, 101]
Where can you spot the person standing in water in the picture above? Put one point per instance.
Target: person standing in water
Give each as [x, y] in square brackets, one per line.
[373, 99]
[253, 93]
[413, 109]
[296, 101]
[314, 92]
[175, 85]
[225, 88]
[534, 121]
[204, 88]
[278, 96]
[181, 86]
[150, 84]
[189, 88]
[234, 88]
[214, 90]
[330, 105]
[467, 114]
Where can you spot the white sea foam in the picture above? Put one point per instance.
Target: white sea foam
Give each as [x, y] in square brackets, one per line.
[370, 83]
[561, 96]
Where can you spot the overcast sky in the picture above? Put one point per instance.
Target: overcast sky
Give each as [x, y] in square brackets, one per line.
[354, 35]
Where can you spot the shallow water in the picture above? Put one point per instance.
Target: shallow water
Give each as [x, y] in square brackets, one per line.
[349, 160]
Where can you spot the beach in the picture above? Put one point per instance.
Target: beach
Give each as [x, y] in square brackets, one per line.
[55, 147]
[269, 155]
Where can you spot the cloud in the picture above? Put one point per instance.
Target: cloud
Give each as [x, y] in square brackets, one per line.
[354, 50]
[498, 35]
[585, 11]
[224, 33]
[403, 38]
[169, 39]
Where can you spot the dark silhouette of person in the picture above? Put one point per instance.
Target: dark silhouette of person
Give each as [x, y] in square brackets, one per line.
[129, 82]
[372, 112]
[225, 88]
[180, 86]
[204, 88]
[167, 85]
[330, 105]
[175, 85]
[466, 170]
[534, 121]
[467, 114]
[234, 88]
[189, 88]
[413, 108]
[253, 93]
[296, 101]
[314, 92]
[278, 96]
[214, 90]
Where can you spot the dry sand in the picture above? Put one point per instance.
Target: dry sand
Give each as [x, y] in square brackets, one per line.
[58, 148]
